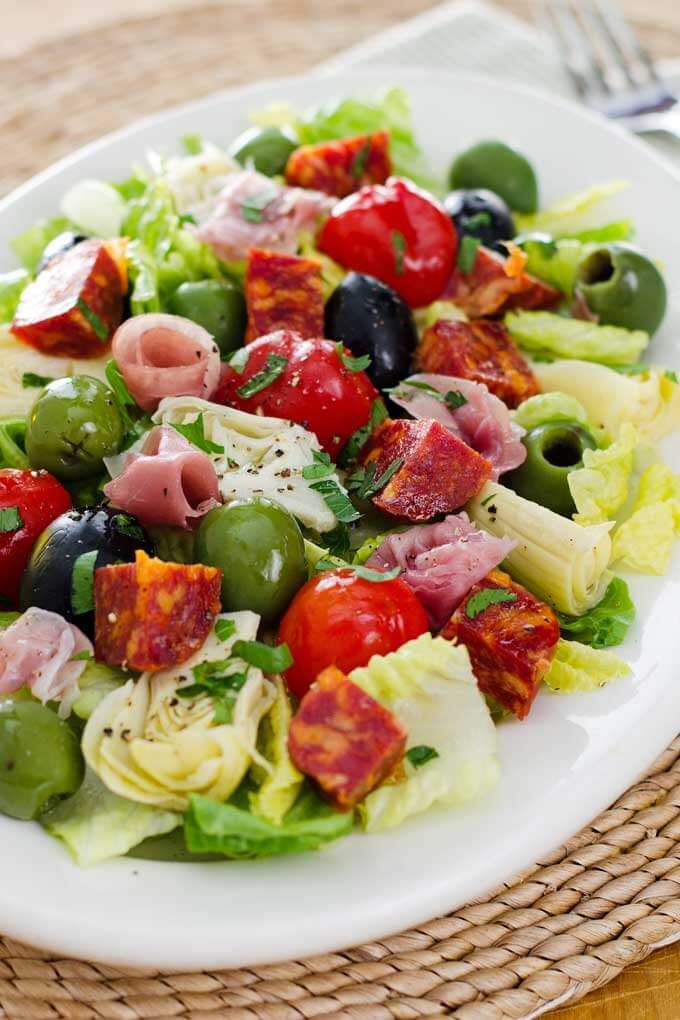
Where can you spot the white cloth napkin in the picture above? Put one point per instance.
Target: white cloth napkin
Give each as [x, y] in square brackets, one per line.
[475, 36]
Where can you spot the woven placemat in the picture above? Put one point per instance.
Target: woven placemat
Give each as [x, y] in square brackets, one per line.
[567, 925]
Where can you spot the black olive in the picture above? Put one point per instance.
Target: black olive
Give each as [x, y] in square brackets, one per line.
[47, 581]
[370, 318]
[483, 214]
[58, 245]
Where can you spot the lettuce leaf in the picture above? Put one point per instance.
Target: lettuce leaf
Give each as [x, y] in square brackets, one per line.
[95, 206]
[95, 682]
[601, 486]
[29, 246]
[387, 110]
[606, 623]
[549, 333]
[553, 406]
[279, 788]
[438, 310]
[617, 230]
[429, 686]
[572, 214]
[555, 262]
[225, 829]
[11, 287]
[645, 541]
[578, 667]
[96, 824]
[332, 273]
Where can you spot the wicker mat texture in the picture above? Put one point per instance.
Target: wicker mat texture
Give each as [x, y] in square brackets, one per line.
[567, 925]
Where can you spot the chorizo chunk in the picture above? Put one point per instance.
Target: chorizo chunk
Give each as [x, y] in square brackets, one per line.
[496, 284]
[341, 167]
[283, 292]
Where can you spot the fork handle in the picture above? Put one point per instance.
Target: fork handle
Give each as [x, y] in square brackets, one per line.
[667, 123]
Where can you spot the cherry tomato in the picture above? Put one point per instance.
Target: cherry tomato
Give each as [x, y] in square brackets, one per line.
[313, 387]
[398, 233]
[340, 619]
[30, 501]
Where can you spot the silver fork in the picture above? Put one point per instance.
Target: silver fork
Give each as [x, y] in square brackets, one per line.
[608, 67]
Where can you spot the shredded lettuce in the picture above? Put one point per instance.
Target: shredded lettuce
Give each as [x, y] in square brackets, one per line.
[96, 207]
[549, 333]
[95, 682]
[11, 287]
[554, 261]
[649, 400]
[229, 830]
[29, 246]
[278, 789]
[572, 214]
[607, 623]
[429, 686]
[438, 310]
[645, 541]
[96, 824]
[387, 110]
[332, 274]
[549, 407]
[601, 486]
[618, 230]
[577, 667]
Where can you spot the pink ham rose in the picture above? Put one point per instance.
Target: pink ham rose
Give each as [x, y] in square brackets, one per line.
[482, 420]
[169, 481]
[37, 651]
[163, 355]
[441, 562]
[253, 211]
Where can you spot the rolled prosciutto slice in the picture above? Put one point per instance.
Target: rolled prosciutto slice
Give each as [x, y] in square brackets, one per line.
[472, 413]
[169, 481]
[37, 651]
[441, 562]
[253, 211]
[164, 355]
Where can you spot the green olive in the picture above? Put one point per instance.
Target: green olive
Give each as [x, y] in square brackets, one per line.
[554, 449]
[267, 149]
[623, 287]
[499, 168]
[40, 758]
[73, 425]
[261, 552]
[218, 306]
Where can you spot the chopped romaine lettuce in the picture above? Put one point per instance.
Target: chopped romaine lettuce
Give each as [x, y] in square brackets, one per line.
[438, 310]
[332, 274]
[388, 110]
[607, 623]
[601, 486]
[645, 541]
[95, 207]
[11, 286]
[95, 682]
[279, 787]
[578, 667]
[549, 407]
[225, 829]
[96, 824]
[556, 262]
[619, 230]
[549, 333]
[429, 685]
[29, 246]
[572, 214]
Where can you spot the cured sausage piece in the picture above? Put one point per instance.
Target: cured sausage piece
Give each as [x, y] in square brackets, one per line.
[343, 166]
[283, 292]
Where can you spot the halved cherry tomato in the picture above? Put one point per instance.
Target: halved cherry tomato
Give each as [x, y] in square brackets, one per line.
[396, 232]
[29, 501]
[309, 384]
[341, 619]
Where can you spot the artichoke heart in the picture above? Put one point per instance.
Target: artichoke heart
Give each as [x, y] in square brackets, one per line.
[152, 746]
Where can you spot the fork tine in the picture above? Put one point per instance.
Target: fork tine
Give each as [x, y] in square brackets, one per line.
[546, 14]
[603, 15]
[579, 18]
[624, 37]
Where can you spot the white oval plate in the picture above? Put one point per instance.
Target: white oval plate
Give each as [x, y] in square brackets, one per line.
[568, 761]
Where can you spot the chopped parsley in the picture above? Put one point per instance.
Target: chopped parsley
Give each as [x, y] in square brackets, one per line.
[274, 366]
[265, 657]
[337, 541]
[670, 374]
[353, 364]
[399, 248]
[421, 754]
[480, 219]
[135, 427]
[321, 468]
[486, 597]
[364, 482]
[336, 500]
[194, 431]
[487, 499]
[210, 679]
[638, 369]
[357, 440]
[100, 329]
[30, 380]
[360, 160]
[452, 398]
[128, 526]
[224, 629]
[83, 656]
[467, 253]
[10, 519]
[252, 208]
[82, 582]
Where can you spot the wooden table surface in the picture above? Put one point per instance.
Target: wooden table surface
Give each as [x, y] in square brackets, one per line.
[646, 991]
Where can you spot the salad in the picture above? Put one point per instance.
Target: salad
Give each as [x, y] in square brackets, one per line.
[315, 468]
